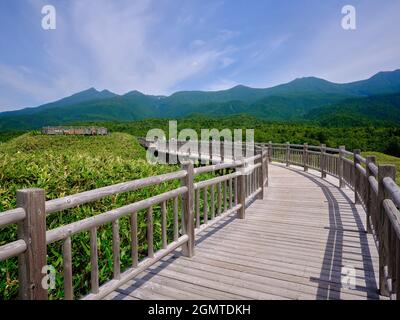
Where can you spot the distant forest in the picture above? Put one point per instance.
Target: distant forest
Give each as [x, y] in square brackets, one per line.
[384, 139]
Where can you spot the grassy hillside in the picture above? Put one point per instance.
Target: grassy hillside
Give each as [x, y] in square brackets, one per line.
[65, 165]
[385, 159]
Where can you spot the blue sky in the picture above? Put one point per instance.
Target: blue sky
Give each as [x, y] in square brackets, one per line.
[162, 46]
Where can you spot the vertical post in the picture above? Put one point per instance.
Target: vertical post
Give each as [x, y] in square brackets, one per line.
[369, 204]
[356, 176]
[266, 174]
[199, 150]
[167, 152]
[241, 190]
[262, 174]
[323, 161]
[270, 151]
[210, 149]
[33, 231]
[187, 205]
[341, 166]
[383, 172]
[222, 150]
[287, 153]
[305, 157]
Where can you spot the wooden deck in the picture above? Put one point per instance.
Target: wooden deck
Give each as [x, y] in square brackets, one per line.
[292, 245]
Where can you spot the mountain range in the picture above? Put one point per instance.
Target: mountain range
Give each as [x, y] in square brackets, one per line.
[376, 99]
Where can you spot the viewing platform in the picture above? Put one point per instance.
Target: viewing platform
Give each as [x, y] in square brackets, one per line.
[291, 222]
[300, 242]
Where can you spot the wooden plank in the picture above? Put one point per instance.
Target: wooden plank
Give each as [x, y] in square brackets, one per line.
[116, 250]
[219, 199]
[197, 199]
[232, 288]
[212, 202]
[150, 225]
[94, 266]
[176, 219]
[118, 296]
[134, 240]
[187, 208]
[205, 205]
[309, 288]
[67, 266]
[209, 293]
[164, 224]
[294, 273]
[33, 231]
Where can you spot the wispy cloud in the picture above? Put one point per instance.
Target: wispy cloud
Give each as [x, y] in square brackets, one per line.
[160, 46]
[120, 46]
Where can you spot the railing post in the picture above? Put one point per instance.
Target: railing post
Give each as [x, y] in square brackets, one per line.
[242, 190]
[222, 150]
[341, 166]
[287, 154]
[369, 204]
[263, 173]
[266, 174]
[199, 150]
[187, 205]
[383, 172]
[305, 157]
[323, 161]
[33, 231]
[270, 151]
[356, 176]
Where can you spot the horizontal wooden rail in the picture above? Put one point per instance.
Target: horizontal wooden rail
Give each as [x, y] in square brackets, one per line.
[12, 216]
[12, 249]
[226, 194]
[68, 230]
[374, 188]
[204, 203]
[69, 202]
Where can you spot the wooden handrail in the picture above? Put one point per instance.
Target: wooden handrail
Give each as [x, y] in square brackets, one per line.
[374, 187]
[233, 192]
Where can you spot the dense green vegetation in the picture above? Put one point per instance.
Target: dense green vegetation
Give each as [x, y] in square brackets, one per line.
[66, 165]
[358, 112]
[8, 135]
[368, 138]
[385, 159]
[372, 101]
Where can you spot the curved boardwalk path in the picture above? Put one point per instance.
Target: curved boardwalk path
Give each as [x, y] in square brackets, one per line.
[292, 245]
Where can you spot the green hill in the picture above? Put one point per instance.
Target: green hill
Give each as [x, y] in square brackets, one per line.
[360, 111]
[382, 158]
[297, 100]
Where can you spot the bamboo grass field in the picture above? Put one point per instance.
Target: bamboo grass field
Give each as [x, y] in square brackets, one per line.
[65, 165]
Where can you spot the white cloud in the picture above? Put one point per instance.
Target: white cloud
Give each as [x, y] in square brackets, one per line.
[120, 46]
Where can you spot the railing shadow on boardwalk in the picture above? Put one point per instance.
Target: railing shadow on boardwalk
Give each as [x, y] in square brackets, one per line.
[139, 282]
[329, 281]
[331, 274]
[373, 185]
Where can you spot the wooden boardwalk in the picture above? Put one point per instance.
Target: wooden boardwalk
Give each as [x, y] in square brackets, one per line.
[299, 242]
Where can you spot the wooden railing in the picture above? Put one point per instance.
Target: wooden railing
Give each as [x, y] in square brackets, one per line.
[374, 188]
[238, 183]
